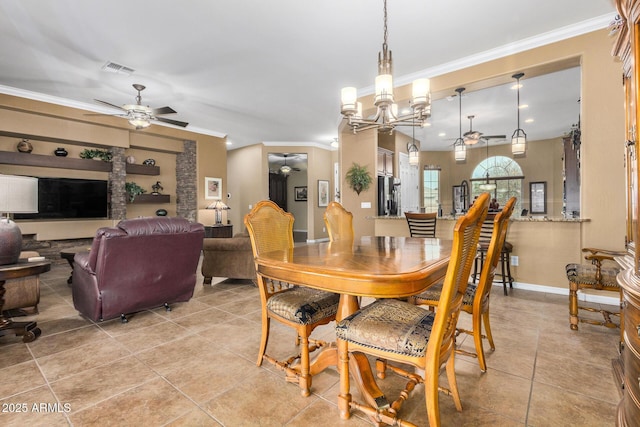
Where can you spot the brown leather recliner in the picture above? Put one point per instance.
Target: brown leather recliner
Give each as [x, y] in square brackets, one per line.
[138, 265]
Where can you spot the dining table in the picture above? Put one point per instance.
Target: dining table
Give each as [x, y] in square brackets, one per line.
[368, 266]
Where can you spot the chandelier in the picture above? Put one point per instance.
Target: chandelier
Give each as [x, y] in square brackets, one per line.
[387, 117]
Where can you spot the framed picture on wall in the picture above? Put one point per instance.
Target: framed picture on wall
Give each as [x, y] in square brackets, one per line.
[213, 188]
[538, 197]
[300, 193]
[323, 193]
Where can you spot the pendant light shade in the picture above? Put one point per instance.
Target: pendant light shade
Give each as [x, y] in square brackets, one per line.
[459, 147]
[519, 137]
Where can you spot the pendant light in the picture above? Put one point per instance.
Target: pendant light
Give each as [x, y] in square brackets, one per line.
[412, 148]
[519, 138]
[487, 186]
[459, 147]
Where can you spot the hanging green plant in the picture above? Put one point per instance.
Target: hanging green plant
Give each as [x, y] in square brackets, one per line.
[104, 155]
[133, 190]
[359, 178]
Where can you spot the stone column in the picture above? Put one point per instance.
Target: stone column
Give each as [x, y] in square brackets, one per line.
[117, 178]
[186, 179]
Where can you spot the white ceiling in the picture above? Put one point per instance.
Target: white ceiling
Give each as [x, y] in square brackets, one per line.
[271, 71]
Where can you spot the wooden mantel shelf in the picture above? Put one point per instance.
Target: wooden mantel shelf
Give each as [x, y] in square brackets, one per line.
[151, 198]
[24, 159]
[142, 169]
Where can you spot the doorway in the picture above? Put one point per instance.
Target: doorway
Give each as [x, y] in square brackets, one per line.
[288, 188]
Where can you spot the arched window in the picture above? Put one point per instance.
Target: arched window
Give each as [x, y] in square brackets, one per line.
[502, 171]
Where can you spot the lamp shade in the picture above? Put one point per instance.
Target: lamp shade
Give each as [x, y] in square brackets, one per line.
[18, 194]
[384, 89]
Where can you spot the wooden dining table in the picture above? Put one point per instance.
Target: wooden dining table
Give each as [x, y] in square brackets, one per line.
[369, 266]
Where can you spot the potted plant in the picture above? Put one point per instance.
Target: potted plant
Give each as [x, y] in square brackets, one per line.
[97, 154]
[133, 190]
[359, 178]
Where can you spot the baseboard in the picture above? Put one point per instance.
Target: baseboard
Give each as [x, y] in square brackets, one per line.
[582, 296]
[324, 239]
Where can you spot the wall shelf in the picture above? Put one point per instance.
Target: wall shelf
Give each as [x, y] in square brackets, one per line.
[142, 169]
[150, 198]
[24, 159]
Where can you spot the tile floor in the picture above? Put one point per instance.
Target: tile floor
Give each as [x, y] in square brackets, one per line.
[195, 366]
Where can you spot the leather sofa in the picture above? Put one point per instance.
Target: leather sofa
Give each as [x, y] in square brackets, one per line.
[228, 257]
[22, 295]
[140, 264]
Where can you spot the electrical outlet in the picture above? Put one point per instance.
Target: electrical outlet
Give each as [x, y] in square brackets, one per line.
[514, 260]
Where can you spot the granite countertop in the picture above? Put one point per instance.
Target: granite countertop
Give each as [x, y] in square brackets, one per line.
[537, 218]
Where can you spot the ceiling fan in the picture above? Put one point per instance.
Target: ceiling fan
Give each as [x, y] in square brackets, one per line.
[140, 115]
[472, 136]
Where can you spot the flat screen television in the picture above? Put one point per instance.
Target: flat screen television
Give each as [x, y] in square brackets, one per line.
[70, 198]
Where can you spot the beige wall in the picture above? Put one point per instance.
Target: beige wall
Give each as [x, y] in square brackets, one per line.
[49, 126]
[543, 162]
[544, 248]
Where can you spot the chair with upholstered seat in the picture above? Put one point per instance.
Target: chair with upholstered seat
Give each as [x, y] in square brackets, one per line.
[303, 309]
[421, 224]
[594, 276]
[397, 331]
[505, 255]
[339, 222]
[476, 299]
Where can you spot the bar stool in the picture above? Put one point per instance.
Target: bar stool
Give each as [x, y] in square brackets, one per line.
[505, 255]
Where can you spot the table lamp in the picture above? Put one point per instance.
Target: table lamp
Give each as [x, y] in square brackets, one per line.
[18, 194]
[218, 206]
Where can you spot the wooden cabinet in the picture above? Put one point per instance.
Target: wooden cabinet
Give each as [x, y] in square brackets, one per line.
[385, 162]
[627, 366]
[222, 230]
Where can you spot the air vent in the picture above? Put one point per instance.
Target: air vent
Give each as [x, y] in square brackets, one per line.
[112, 67]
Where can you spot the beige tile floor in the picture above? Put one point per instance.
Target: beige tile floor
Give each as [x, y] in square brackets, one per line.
[195, 366]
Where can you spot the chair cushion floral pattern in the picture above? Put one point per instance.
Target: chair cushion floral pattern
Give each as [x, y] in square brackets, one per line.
[585, 274]
[304, 305]
[390, 325]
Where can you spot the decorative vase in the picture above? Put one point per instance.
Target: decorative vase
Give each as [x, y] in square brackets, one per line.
[161, 212]
[131, 160]
[149, 162]
[60, 152]
[25, 146]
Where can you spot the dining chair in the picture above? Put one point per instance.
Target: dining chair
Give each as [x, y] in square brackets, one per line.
[421, 224]
[476, 298]
[600, 275]
[339, 222]
[303, 309]
[397, 331]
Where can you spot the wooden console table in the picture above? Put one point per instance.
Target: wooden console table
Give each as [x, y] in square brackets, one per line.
[28, 330]
[221, 230]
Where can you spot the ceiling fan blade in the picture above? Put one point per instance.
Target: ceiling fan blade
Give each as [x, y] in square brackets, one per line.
[109, 104]
[172, 122]
[494, 136]
[163, 110]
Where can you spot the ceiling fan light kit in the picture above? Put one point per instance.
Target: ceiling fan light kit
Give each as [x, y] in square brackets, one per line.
[387, 117]
[519, 137]
[140, 116]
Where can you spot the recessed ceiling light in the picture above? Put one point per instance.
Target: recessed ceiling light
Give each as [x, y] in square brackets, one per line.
[523, 106]
[442, 134]
[529, 121]
[426, 124]
[229, 143]
[516, 86]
